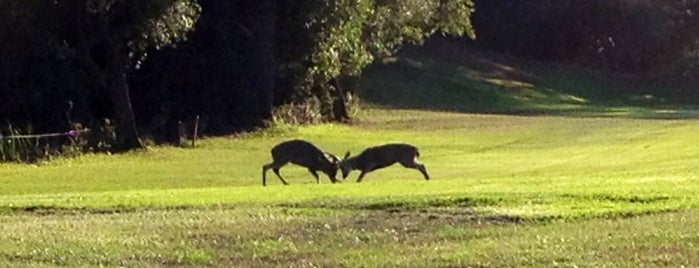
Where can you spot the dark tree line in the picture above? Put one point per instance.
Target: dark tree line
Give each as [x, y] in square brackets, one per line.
[62, 54]
[638, 37]
[147, 64]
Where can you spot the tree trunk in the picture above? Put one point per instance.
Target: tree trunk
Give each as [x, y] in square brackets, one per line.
[124, 119]
[264, 66]
[340, 102]
[109, 72]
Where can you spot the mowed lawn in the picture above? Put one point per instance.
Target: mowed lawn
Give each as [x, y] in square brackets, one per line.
[505, 191]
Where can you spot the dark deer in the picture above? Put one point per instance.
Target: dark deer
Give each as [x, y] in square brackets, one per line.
[304, 154]
[382, 156]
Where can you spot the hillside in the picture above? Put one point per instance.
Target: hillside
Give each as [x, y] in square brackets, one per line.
[445, 76]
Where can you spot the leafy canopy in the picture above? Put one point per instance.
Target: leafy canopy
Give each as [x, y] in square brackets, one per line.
[96, 24]
[344, 36]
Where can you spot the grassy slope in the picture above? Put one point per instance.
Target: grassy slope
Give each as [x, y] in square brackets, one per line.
[545, 162]
[452, 78]
[508, 190]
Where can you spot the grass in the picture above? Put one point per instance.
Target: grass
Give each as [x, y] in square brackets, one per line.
[289, 237]
[459, 79]
[506, 191]
[529, 183]
[472, 154]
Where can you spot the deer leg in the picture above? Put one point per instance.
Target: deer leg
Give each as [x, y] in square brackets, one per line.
[264, 173]
[315, 175]
[423, 170]
[275, 166]
[361, 175]
[333, 179]
[417, 165]
[276, 171]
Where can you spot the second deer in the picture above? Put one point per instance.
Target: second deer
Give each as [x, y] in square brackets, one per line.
[382, 156]
[302, 153]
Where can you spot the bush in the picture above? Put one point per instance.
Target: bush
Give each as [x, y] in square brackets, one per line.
[307, 112]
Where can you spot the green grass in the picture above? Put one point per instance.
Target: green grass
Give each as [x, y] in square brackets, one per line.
[562, 169]
[506, 191]
[473, 154]
[467, 80]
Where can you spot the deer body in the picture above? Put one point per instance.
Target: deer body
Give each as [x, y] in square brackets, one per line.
[382, 156]
[302, 153]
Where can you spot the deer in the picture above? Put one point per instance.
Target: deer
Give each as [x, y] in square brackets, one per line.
[302, 153]
[382, 156]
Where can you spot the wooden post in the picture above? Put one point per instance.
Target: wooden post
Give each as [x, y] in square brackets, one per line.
[196, 130]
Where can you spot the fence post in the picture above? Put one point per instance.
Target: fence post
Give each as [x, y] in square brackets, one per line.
[196, 130]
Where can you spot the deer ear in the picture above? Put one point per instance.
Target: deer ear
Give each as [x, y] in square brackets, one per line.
[347, 155]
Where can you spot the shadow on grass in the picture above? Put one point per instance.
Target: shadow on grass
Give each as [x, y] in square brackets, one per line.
[450, 79]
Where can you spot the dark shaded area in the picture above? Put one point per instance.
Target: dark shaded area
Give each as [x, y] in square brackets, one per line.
[451, 75]
[641, 37]
[222, 72]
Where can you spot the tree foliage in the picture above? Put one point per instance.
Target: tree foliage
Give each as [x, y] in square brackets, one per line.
[344, 36]
[95, 41]
[242, 57]
[230, 61]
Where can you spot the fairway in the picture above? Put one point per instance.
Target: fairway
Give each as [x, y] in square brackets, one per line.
[506, 190]
[416, 134]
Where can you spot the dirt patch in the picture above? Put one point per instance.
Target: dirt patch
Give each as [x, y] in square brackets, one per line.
[53, 210]
[49, 210]
[419, 218]
[409, 213]
[279, 260]
[633, 199]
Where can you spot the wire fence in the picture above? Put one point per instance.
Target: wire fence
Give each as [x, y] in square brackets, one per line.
[70, 133]
[18, 147]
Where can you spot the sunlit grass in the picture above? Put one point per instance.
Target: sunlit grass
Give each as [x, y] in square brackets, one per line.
[540, 165]
[283, 237]
[506, 191]
[587, 170]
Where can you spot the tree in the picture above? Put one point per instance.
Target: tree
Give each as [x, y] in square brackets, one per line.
[105, 39]
[246, 56]
[226, 72]
[335, 39]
